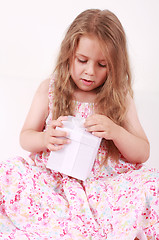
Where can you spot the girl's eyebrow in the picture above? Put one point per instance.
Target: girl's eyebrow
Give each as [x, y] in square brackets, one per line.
[79, 54]
[82, 55]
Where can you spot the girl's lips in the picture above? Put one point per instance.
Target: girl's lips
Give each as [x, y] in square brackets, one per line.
[87, 82]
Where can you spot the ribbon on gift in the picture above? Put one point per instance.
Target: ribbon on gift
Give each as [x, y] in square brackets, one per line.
[74, 126]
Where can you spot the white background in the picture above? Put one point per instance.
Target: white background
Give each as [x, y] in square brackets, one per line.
[30, 35]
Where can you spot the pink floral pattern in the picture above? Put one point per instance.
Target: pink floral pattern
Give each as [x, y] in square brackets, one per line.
[117, 201]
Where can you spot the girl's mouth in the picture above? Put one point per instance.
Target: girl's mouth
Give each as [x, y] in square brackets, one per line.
[87, 82]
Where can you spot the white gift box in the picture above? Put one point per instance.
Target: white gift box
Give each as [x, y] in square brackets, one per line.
[76, 159]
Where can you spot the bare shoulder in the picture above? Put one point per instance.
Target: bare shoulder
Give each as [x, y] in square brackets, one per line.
[131, 112]
[131, 108]
[42, 92]
[39, 108]
[44, 87]
[131, 121]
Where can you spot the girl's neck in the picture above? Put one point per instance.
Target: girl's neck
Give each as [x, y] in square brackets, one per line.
[82, 96]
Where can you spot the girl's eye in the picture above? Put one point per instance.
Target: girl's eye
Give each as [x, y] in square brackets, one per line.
[102, 65]
[81, 60]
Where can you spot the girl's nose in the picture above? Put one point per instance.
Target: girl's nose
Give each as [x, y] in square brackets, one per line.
[90, 69]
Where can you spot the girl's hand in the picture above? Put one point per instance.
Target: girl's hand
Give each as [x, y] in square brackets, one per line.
[55, 139]
[101, 126]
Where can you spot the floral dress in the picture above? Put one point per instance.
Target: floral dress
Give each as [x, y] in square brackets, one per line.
[118, 200]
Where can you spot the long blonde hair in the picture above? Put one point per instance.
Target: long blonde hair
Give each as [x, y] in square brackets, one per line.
[111, 96]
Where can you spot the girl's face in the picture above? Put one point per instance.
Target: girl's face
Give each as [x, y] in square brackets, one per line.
[89, 67]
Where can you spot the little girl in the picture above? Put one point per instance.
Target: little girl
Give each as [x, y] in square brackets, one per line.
[119, 199]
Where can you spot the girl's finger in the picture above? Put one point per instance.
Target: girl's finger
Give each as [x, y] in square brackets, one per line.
[59, 141]
[55, 123]
[53, 147]
[100, 134]
[95, 128]
[58, 133]
[63, 118]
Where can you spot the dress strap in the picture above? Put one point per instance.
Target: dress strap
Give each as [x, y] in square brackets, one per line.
[51, 93]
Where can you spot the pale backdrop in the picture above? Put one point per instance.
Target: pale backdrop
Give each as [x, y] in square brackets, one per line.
[30, 34]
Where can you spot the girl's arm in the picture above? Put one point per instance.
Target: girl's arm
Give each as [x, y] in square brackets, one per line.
[129, 139]
[32, 136]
